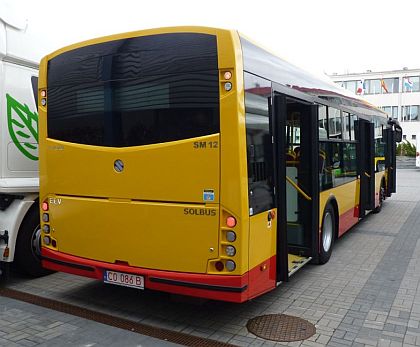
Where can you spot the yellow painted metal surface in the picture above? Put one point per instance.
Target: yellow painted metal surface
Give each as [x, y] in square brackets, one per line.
[173, 171]
[137, 214]
[346, 195]
[177, 237]
[262, 238]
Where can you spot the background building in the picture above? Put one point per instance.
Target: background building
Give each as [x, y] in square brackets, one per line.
[396, 92]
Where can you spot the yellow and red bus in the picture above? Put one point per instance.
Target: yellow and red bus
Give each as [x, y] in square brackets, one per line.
[190, 160]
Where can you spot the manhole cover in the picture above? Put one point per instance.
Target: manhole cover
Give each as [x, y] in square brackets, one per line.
[280, 327]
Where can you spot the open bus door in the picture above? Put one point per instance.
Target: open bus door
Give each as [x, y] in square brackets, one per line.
[366, 153]
[393, 135]
[297, 186]
[390, 162]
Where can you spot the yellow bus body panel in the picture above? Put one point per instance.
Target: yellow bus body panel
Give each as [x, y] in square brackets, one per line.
[263, 239]
[346, 195]
[149, 235]
[158, 172]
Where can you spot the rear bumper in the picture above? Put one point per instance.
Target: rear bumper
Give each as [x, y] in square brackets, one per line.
[217, 287]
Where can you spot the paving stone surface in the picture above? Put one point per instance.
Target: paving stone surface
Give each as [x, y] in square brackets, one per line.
[368, 294]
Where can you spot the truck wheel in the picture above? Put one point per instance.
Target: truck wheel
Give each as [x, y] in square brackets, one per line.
[327, 234]
[28, 245]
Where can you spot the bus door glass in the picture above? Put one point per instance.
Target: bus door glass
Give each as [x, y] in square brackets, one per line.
[260, 158]
[301, 180]
[367, 165]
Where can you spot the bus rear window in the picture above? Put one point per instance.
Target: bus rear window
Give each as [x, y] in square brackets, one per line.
[135, 91]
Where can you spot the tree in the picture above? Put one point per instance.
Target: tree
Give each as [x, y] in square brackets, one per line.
[406, 148]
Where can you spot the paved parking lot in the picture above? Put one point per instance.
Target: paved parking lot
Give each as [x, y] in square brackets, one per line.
[368, 294]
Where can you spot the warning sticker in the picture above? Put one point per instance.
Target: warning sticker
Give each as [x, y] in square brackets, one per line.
[208, 195]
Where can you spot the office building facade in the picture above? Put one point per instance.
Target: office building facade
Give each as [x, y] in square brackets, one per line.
[396, 92]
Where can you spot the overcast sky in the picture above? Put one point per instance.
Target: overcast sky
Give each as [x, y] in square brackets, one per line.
[318, 35]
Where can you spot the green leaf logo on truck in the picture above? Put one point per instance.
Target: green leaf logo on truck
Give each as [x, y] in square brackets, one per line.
[23, 127]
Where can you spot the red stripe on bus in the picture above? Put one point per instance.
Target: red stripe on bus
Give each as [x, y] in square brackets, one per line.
[348, 219]
[262, 278]
[220, 287]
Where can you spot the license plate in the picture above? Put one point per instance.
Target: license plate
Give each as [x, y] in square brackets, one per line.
[123, 279]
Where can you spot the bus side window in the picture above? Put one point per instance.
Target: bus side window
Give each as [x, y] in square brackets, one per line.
[325, 178]
[331, 154]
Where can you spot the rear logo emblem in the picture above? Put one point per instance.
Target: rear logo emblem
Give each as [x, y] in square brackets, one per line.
[118, 165]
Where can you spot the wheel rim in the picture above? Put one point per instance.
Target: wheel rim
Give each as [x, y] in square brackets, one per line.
[36, 242]
[327, 232]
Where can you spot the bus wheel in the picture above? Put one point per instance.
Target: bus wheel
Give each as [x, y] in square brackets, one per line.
[327, 234]
[381, 199]
[28, 245]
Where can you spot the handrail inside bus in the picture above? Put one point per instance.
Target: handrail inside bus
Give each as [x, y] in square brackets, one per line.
[294, 185]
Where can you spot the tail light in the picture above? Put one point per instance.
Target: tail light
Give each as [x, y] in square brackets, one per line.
[45, 206]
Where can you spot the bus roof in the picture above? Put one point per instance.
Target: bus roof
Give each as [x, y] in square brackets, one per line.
[261, 62]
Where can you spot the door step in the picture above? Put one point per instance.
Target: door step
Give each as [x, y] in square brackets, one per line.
[295, 262]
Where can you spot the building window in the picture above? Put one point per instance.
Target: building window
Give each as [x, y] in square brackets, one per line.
[381, 86]
[349, 85]
[413, 137]
[411, 84]
[391, 110]
[404, 137]
[373, 87]
[390, 85]
[410, 113]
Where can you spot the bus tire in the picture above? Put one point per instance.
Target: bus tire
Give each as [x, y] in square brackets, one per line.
[381, 199]
[28, 245]
[327, 235]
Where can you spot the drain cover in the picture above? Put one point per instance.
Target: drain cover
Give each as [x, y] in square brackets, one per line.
[281, 327]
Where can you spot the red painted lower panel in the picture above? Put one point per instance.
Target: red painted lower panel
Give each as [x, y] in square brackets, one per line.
[262, 278]
[218, 287]
[348, 219]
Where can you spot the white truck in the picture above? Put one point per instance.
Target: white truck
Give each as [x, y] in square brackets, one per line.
[19, 183]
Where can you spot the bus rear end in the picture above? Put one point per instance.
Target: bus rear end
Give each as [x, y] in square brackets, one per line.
[131, 163]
